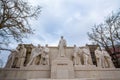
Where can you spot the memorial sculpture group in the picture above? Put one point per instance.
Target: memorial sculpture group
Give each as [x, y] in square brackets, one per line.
[40, 56]
[29, 62]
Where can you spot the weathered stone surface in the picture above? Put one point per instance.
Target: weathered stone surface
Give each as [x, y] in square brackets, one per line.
[43, 72]
[31, 72]
[62, 68]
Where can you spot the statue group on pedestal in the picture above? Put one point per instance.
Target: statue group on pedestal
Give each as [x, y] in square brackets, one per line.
[40, 56]
[103, 59]
[42, 52]
[80, 55]
[36, 51]
[17, 57]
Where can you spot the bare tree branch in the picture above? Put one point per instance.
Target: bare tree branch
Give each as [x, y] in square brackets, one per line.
[108, 34]
[14, 16]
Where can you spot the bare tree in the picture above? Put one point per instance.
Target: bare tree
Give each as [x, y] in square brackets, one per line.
[14, 16]
[107, 34]
[99, 36]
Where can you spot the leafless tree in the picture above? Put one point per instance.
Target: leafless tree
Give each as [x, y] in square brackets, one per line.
[14, 20]
[99, 36]
[107, 34]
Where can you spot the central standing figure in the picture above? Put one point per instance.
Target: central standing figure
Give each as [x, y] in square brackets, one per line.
[61, 47]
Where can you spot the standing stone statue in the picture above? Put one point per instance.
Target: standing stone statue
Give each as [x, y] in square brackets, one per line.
[46, 52]
[42, 59]
[11, 59]
[76, 56]
[16, 63]
[61, 46]
[22, 55]
[107, 60]
[36, 51]
[86, 56]
[99, 57]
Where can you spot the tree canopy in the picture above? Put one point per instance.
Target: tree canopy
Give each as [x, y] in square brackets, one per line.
[14, 20]
[107, 34]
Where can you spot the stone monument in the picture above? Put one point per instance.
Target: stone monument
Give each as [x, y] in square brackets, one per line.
[61, 47]
[29, 62]
[107, 60]
[44, 56]
[21, 55]
[36, 51]
[86, 56]
[62, 67]
[76, 56]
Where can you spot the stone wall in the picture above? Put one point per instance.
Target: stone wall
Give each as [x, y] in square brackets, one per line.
[43, 72]
[31, 72]
[98, 73]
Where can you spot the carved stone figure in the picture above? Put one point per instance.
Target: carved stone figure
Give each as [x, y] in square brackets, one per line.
[86, 56]
[107, 60]
[36, 51]
[16, 60]
[11, 59]
[61, 46]
[76, 55]
[22, 55]
[46, 55]
[99, 57]
[42, 59]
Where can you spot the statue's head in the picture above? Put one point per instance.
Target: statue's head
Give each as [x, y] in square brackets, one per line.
[39, 45]
[22, 46]
[74, 45]
[61, 37]
[46, 45]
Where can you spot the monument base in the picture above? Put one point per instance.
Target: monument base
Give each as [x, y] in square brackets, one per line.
[44, 73]
[62, 68]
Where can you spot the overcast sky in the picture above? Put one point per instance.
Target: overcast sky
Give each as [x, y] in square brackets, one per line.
[69, 18]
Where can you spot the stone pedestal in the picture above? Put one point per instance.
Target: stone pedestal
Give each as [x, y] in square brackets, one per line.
[43, 72]
[62, 68]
